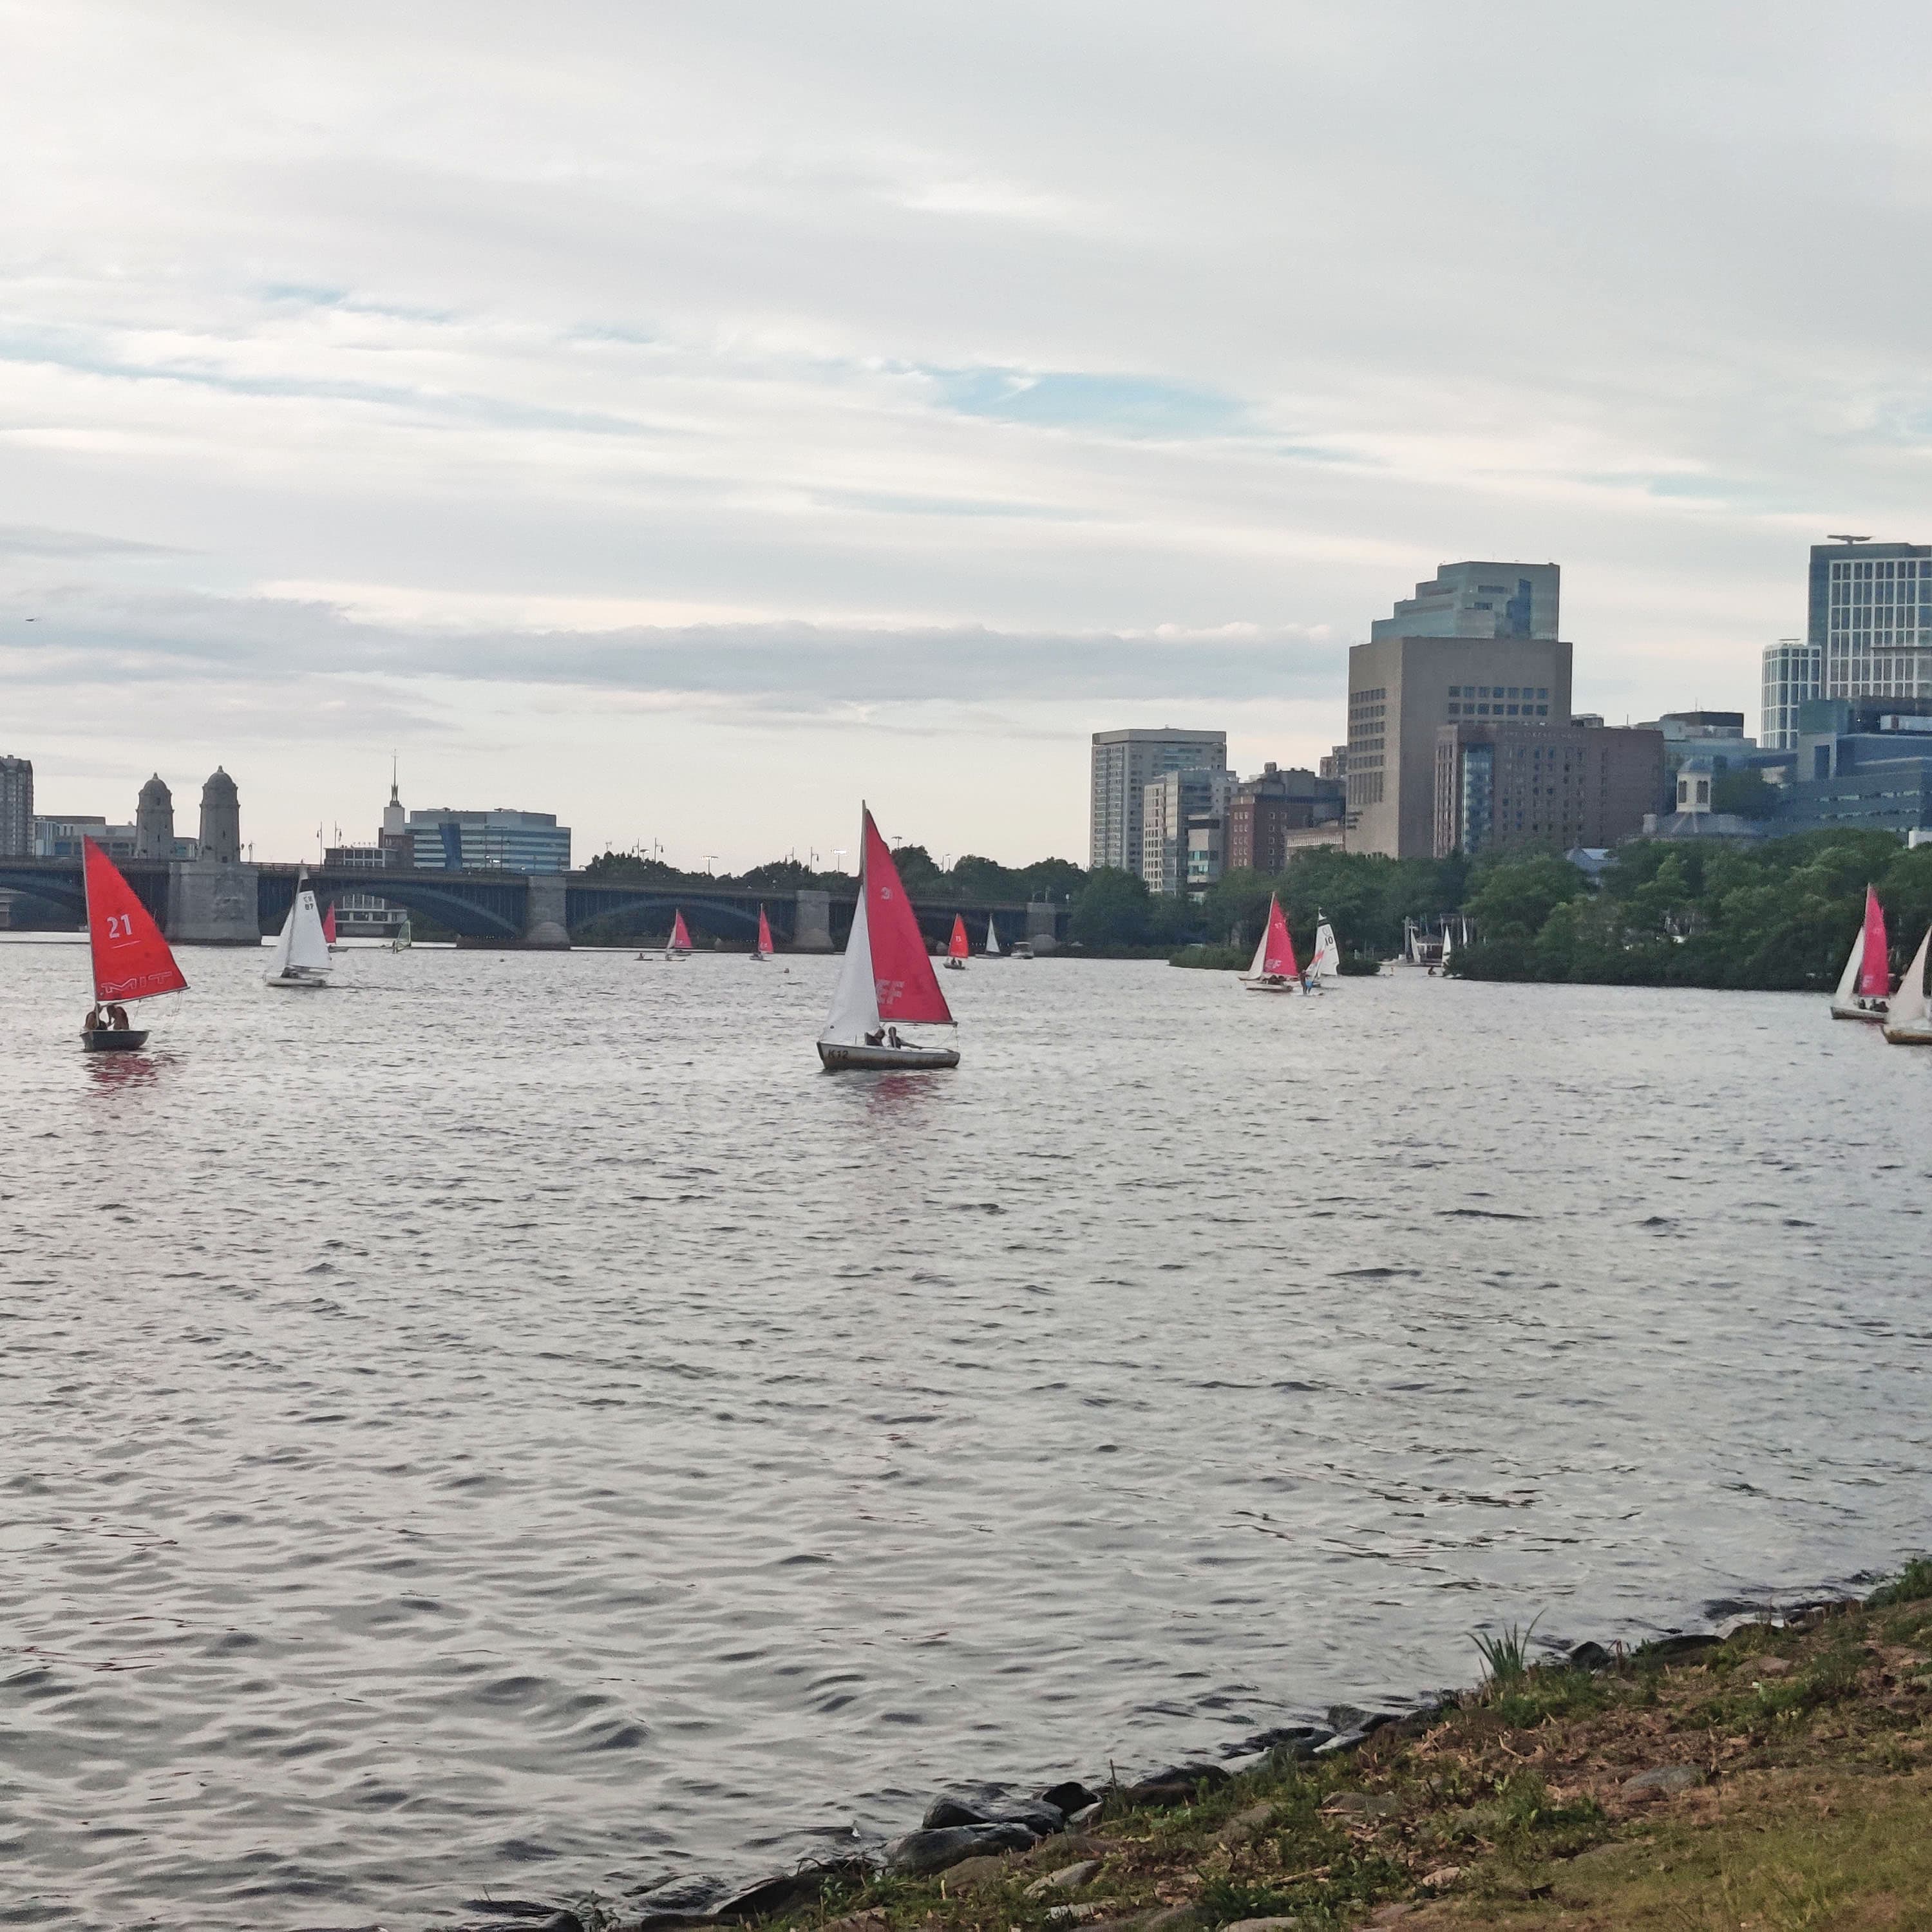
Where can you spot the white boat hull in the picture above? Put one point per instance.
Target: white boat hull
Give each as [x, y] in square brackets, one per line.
[1914, 1033]
[837, 1059]
[1873, 1011]
[1272, 984]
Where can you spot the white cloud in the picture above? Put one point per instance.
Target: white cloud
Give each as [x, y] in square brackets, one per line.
[628, 407]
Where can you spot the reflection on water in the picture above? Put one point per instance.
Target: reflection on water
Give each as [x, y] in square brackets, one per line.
[456, 1441]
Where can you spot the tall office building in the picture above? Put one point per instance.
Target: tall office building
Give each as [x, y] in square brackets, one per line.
[1871, 619]
[1169, 807]
[1792, 673]
[488, 841]
[17, 808]
[1478, 642]
[1125, 763]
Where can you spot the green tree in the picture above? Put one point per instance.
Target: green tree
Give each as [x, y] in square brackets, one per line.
[1112, 911]
[1516, 897]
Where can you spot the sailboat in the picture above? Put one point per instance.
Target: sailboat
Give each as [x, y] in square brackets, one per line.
[301, 952]
[1274, 970]
[1909, 1021]
[1865, 985]
[886, 979]
[402, 941]
[958, 946]
[328, 928]
[764, 949]
[993, 941]
[131, 959]
[678, 946]
[1327, 963]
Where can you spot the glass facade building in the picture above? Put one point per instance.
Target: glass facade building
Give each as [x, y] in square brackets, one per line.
[1871, 619]
[501, 840]
[1793, 668]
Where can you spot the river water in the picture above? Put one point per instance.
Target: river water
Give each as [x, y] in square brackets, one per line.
[512, 1421]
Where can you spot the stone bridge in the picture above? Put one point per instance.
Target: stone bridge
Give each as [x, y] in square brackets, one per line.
[199, 903]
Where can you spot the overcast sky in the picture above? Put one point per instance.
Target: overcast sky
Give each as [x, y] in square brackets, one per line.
[687, 418]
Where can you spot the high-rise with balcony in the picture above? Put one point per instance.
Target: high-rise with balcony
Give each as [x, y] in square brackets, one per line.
[1793, 668]
[1870, 619]
[1477, 642]
[1125, 763]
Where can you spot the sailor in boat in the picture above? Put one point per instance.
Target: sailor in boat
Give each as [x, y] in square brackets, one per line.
[95, 1022]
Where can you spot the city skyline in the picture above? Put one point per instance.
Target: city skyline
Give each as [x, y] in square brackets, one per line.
[659, 418]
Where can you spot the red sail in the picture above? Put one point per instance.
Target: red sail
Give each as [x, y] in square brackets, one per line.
[329, 925]
[680, 935]
[1279, 957]
[1875, 969]
[764, 932]
[956, 947]
[131, 959]
[902, 975]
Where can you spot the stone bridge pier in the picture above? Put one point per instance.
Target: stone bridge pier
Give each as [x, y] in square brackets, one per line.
[811, 931]
[545, 929]
[1041, 934]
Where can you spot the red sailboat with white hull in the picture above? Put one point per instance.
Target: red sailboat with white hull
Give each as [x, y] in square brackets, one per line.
[886, 980]
[1865, 988]
[958, 946]
[1274, 970]
[764, 949]
[131, 959]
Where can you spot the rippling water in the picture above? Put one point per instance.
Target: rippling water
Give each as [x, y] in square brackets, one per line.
[513, 1421]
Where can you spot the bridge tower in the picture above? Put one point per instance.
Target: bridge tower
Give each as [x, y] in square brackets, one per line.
[212, 898]
[155, 821]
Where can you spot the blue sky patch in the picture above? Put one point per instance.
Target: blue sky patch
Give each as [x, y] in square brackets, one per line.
[1116, 405]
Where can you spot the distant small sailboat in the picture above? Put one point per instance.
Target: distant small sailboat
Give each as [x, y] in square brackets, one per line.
[301, 952]
[678, 946]
[958, 947]
[1864, 987]
[1327, 963]
[1274, 970]
[402, 940]
[886, 979]
[328, 928]
[764, 949]
[993, 941]
[1909, 1021]
[131, 960]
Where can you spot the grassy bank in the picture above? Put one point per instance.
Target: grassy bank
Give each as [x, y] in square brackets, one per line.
[1782, 1779]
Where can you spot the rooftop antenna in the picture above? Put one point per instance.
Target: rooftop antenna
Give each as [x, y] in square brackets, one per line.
[394, 798]
[1832, 536]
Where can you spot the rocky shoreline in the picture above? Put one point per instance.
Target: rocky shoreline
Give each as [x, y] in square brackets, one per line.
[971, 1834]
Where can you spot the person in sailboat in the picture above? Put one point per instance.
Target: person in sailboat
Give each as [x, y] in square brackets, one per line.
[877, 1038]
[94, 1022]
[117, 1018]
[892, 1037]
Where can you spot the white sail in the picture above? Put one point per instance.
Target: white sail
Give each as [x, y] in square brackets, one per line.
[1327, 964]
[1848, 980]
[1260, 959]
[1448, 944]
[1909, 1006]
[302, 946]
[855, 1000]
[992, 940]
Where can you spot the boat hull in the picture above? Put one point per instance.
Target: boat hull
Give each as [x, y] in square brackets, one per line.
[836, 1059]
[1873, 1015]
[295, 982]
[1914, 1033]
[114, 1040]
[955, 965]
[1272, 985]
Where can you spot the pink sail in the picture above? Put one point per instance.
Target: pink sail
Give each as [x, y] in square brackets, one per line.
[1875, 969]
[680, 935]
[131, 959]
[956, 947]
[764, 932]
[1278, 956]
[907, 988]
[329, 925]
